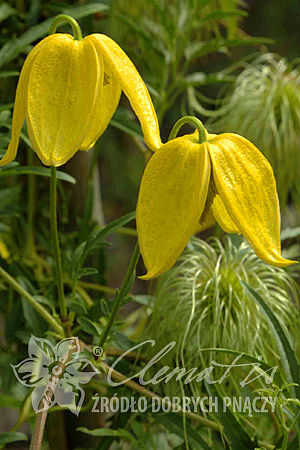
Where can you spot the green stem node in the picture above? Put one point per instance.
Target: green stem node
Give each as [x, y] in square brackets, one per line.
[63, 18]
[193, 121]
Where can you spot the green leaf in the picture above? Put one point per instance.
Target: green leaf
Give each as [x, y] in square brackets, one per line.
[14, 47]
[45, 301]
[9, 436]
[95, 241]
[174, 424]
[143, 299]
[90, 327]
[6, 11]
[7, 74]
[35, 170]
[6, 401]
[79, 307]
[220, 15]
[33, 319]
[85, 272]
[235, 433]
[288, 356]
[199, 49]
[108, 229]
[123, 120]
[100, 432]
[6, 106]
[290, 233]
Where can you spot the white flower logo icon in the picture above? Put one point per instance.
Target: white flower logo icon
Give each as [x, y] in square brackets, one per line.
[55, 373]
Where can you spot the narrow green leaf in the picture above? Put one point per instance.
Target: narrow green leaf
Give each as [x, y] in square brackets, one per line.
[290, 233]
[35, 170]
[9, 436]
[7, 401]
[100, 432]
[6, 106]
[90, 327]
[174, 423]
[108, 229]
[235, 433]
[125, 121]
[220, 15]
[86, 271]
[6, 11]
[199, 49]
[289, 359]
[14, 47]
[7, 74]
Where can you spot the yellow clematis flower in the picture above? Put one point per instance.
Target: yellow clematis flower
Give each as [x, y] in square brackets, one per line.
[193, 180]
[68, 91]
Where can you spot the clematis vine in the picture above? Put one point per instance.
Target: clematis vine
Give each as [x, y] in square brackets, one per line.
[68, 91]
[194, 180]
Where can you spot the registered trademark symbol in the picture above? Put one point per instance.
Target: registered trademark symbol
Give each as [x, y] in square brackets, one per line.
[98, 351]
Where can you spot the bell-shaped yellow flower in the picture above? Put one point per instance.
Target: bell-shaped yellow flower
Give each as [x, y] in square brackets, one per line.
[187, 184]
[68, 91]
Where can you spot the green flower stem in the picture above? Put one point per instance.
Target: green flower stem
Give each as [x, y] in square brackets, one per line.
[37, 306]
[122, 293]
[138, 388]
[56, 248]
[193, 121]
[63, 18]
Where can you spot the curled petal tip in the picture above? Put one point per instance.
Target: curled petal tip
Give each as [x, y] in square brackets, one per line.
[150, 275]
[9, 155]
[279, 261]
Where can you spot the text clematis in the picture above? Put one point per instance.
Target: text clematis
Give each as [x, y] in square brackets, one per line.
[68, 91]
[194, 180]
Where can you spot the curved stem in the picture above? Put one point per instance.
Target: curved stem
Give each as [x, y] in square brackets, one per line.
[56, 248]
[193, 121]
[122, 293]
[63, 18]
[37, 306]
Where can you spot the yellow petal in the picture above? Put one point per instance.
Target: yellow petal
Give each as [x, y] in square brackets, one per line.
[64, 82]
[118, 63]
[171, 200]
[20, 103]
[245, 182]
[222, 217]
[105, 106]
